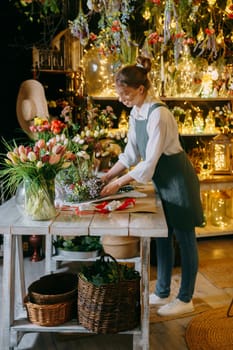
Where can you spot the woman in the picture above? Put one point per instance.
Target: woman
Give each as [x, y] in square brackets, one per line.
[155, 151]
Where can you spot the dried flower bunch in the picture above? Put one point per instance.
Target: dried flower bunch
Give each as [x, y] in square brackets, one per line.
[86, 189]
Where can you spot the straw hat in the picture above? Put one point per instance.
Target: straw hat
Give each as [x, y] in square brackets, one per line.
[31, 103]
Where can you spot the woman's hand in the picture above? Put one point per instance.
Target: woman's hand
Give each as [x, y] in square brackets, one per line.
[111, 188]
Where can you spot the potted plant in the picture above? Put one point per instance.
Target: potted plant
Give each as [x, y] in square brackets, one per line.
[78, 247]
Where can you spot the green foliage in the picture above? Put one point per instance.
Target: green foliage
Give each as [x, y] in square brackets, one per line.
[105, 271]
[78, 243]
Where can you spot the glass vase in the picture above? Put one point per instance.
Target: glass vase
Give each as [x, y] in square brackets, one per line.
[39, 198]
[99, 72]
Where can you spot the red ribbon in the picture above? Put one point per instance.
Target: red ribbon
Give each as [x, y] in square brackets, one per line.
[101, 208]
[128, 202]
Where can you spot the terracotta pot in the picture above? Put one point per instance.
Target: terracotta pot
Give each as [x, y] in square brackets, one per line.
[121, 247]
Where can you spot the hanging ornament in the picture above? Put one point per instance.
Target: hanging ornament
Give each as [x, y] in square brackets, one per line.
[95, 5]
[79, 28]
[208, 45]
[170, 16]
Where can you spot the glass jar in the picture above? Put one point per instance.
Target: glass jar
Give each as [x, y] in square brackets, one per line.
[199, 123]
[218, 208]
[210, 123]
[187, 127]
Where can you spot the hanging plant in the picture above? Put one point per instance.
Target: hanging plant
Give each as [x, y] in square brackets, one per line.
[38, 10]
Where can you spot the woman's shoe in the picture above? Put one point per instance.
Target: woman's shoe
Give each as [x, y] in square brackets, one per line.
[175, 307]
[156, 300]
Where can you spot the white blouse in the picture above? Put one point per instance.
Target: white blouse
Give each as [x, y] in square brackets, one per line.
[163, 137]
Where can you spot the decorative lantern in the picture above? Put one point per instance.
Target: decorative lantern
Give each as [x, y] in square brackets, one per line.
[221, 154]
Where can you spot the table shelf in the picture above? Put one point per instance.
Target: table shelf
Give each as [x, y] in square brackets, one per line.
[140, 224]
[23, 325]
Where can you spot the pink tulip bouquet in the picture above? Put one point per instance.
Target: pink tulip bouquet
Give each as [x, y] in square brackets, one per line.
[36, 168]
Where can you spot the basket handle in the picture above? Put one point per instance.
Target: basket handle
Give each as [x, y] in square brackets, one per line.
[103, 255]
[106, 255]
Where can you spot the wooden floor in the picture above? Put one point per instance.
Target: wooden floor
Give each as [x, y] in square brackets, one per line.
[167, 335]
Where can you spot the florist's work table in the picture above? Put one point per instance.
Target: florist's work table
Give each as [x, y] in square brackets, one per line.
[144, 221]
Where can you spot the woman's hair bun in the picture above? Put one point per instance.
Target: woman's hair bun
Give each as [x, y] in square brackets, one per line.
[144, 62]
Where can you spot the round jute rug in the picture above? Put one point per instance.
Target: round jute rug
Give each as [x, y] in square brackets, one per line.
[211, 330]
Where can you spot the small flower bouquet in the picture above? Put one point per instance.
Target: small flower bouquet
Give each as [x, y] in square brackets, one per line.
[78, 184]
[43, 128]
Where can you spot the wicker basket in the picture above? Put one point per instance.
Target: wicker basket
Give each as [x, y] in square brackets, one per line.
[50, 315]
[109, 308]
[53, 288]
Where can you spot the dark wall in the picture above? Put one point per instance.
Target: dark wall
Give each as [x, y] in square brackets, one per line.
[15, 67]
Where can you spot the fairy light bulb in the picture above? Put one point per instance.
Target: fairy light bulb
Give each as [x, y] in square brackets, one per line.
[173, 24]
[146, 15]
[200, 35]
[220, 38]
[211, 2]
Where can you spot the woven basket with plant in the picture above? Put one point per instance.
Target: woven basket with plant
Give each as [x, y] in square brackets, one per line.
[108, 296]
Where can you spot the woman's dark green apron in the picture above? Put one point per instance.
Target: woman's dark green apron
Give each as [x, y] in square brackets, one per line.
[176, 182]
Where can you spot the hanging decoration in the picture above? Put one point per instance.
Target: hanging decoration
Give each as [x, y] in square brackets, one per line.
[79, 27]
[174, 34]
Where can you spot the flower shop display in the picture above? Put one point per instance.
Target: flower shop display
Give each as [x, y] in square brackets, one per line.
[190, 42]
[62, 159]
[93, 150]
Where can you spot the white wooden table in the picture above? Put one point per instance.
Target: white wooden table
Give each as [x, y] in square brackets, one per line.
[13, 225]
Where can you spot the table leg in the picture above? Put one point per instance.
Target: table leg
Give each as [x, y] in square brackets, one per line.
[20, 265]
[48, 253]
[8, 291]
[141, 342]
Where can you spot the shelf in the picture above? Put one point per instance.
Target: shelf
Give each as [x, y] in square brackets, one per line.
[216, 182]
[23, 325]
[56, 71]
[197, 99]
[200, 134]
[163, 98]
[212, 231]
[217, 179]
[136, 259]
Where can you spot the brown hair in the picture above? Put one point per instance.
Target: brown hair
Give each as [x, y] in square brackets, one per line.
[134, 75]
